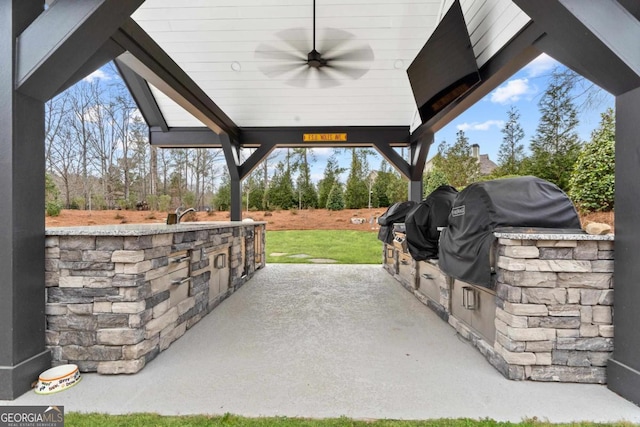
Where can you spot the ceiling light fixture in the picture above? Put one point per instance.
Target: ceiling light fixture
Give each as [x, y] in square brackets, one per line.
[235, 66]
[398, 64]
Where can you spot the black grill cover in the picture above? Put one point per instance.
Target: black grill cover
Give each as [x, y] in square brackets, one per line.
[396, 213]
[422, 222]
[484, 206]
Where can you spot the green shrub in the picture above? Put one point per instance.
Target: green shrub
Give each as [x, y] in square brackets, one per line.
[592, 183]
[164, 202]
[152, 201]
[335, 200]
[53, 208]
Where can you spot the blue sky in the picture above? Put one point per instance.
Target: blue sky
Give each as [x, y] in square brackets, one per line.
[482, 123]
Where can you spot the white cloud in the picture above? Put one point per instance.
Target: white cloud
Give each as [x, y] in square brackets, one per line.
[97, 75]
[512, 91]
[540, 65]
[484, 126]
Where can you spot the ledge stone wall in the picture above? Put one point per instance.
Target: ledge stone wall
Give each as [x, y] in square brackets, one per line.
[554, 315]
[554, 307]
[111, 307]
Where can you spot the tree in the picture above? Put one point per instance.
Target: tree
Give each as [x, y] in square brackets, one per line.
[222, 199]
[555, 146]
[253, 191]
[307, 195]
[456, 162]
[511, 151]
[398, 189]
[331, 173]
[281, 193]
[356, 193]
[592, 182]
[432, 180]
[335, 201]
[380, 186]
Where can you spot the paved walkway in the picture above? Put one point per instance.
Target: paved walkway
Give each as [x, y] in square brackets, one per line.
[325, 341]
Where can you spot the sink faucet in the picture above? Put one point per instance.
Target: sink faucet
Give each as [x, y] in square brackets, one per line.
[180, 214]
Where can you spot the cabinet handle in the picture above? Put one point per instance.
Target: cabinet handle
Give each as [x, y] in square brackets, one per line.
[180, 281]
[427, 276]
[179, 260]
[469, 298]
[220, 261]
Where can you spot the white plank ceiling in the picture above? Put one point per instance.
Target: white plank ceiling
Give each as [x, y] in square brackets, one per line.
[221, 44]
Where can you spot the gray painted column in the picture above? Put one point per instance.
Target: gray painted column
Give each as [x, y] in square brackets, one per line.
[623, 370]
[415, 191]
[236, 199]
[22, 292]
[419, 151]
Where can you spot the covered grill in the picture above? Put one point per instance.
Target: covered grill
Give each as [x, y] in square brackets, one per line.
[395, 214]
[483, 207]
[423, 221]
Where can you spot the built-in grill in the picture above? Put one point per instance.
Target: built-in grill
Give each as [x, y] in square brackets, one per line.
[480, 209]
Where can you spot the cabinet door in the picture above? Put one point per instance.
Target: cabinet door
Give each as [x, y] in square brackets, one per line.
[178, 275]
[390, 257]
[219, 281]
[457, 303]
[483, 317]
[430, 281]
[405, 266]
[258, 245]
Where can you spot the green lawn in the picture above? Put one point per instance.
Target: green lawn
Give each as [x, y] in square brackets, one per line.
[345, 247]
[149, 420]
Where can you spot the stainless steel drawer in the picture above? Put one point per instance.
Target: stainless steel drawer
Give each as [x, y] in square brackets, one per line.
[475, 306]
[431, 280]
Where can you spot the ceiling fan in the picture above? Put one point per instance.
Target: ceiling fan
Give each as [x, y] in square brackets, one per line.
[338, 56]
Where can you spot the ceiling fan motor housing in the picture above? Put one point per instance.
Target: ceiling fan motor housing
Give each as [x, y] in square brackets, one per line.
[315, 60]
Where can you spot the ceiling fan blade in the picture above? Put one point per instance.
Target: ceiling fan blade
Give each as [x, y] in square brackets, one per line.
[359, 54]
[332, 39]
[275, 70]
[297, 38]
[265, 51]
[326, 80]
[301, 78]
[351, 72]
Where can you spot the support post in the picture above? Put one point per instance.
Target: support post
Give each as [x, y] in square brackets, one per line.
[232, 156]
[623, 369]
[22, 292]
[419, 150]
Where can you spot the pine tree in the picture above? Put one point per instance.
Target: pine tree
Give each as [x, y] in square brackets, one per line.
[511, 151]
[398, 188]
[331, 174]
[456, 162]
[307, 196]
[335, 201]
[222, 199]
[556, 145]
[592, 183]
[356, 194]
[281, 193]
[379, 196]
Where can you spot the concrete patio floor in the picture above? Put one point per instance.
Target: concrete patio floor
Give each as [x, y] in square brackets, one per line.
[326, 341]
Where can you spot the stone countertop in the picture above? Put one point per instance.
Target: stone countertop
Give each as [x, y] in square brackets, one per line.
[144, 229]
[550, 234]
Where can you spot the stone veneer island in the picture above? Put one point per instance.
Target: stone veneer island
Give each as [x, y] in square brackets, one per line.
[119, 295]
[550, 314]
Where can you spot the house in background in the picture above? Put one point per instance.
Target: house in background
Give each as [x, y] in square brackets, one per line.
[486, 165]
